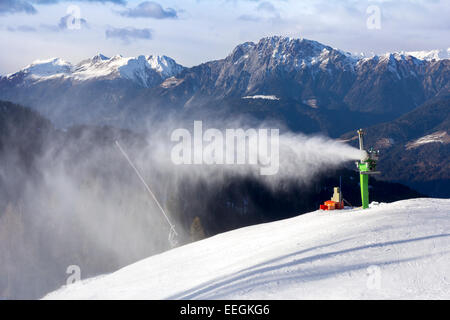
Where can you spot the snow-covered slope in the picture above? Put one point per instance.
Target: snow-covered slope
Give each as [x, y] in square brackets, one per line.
[46, 68]
[145, 71]
[264, 97]
[436, 137]
[398, 250]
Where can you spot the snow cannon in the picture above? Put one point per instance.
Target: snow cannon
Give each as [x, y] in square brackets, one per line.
[366, 166]
[336, 202]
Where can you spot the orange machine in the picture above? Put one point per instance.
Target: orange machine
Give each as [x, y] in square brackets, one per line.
[336, 202]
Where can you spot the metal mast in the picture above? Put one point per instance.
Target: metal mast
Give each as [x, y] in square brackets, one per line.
[366, 166]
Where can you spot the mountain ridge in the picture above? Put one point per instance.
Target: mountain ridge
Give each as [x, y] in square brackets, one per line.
[143, 70]
[310, 80]
[424, 55]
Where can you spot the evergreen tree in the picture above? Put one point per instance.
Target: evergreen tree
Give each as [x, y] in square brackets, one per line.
[197, 232]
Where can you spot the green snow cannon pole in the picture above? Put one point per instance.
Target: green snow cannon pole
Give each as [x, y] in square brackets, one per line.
[366, 167]
[364, 182]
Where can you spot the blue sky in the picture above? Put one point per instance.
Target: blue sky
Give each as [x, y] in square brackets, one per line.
[195, 31]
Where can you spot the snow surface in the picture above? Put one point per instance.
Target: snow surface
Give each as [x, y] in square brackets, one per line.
[436, 137]
[399, 250]
[46, 68]
[260, 96]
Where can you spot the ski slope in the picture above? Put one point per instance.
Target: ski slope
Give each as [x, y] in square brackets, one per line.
[399, 250]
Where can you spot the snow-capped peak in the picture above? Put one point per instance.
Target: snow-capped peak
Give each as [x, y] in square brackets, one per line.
[292, 54]
[46, 68]
[99, 57]
[437, 54]
[141, 69]
[164, 65]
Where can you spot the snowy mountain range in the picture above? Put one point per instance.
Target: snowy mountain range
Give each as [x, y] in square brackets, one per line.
[437, 54]
[309, 84]
[428, 55]
[292, 54]
[390, 251]
[145, 71]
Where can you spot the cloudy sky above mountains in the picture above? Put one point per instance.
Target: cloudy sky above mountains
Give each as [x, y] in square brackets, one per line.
[195, 31]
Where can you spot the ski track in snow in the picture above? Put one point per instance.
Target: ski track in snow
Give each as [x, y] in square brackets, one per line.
[319, 255]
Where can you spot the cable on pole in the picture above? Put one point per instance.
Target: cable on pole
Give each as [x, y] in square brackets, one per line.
[172, 227]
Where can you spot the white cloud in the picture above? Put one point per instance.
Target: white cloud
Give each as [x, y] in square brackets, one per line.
[129, 33]
[149, 9]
